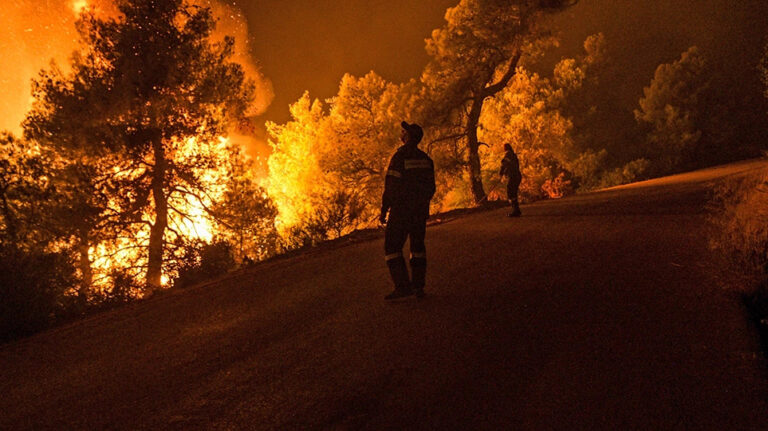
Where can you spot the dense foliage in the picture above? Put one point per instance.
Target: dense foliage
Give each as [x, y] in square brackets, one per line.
[474, 56]
[125, 177]
[143, 86]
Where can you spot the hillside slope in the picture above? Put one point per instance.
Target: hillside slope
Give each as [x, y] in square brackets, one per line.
[601, 311]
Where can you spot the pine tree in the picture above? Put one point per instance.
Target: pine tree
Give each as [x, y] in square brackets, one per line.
[474, 57]
[144, 84]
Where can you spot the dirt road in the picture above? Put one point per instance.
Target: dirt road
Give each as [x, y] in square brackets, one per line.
[601, 311]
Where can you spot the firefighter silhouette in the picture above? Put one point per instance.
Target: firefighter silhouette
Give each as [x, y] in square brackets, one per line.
[510, 168]
[409, 187]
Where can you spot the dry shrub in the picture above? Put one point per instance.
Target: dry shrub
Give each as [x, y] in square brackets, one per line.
[33, 286]
[740, 218]
[204, 261]
[741, 222]
[635, 170]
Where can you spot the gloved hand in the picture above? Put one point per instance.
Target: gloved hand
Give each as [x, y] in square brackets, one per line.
[383, 218]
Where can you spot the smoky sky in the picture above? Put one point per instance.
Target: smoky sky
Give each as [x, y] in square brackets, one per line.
[641, 34]
[309, 44]
[34, 33]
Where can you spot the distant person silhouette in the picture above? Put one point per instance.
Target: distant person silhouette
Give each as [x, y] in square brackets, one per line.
[408, 189]
[510, 168]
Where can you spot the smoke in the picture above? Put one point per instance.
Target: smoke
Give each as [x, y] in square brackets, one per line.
[35, 32]
[231, 22]
[31, 35]
[641, 35]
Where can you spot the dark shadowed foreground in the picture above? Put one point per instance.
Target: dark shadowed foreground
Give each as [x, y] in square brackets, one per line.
[599, 311]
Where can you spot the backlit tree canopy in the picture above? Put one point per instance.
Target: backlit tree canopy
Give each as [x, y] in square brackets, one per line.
[531, 115]
[475, 56]
[337, 152]
[125, 171]
[671, 109]
[146, 84]
[23, 185]
[328, 162]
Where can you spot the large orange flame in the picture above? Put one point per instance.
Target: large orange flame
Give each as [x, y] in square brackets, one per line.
[79, 6]
[31, 37]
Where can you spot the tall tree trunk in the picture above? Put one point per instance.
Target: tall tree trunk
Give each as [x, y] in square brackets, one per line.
[475, 172]
[473, 121]
[157, 232]
[9, 219]
[84, 262]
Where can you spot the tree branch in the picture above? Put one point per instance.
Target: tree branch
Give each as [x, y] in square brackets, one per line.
[447, 138]
[511, 71]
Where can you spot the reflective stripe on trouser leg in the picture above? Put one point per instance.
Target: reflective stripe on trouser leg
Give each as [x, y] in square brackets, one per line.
[394, 239]
[393, 256]
[399, 272]
[418, 253]
[513, 188]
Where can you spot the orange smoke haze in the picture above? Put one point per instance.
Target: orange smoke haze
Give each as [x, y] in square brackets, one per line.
[35, 32]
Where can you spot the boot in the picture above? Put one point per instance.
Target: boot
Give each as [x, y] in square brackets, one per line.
[515, 209]
[399, 293]
[419, 275]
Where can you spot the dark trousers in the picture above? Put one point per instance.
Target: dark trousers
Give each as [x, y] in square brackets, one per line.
[513, 187]
[413, 227]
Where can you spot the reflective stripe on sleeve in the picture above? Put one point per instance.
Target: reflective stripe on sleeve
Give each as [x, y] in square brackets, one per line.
[417, 164]
[393, 256]
[394, 173]
[422, 254]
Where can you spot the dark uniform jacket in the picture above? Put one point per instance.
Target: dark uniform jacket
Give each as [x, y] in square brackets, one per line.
[510, 166]
[410, 183]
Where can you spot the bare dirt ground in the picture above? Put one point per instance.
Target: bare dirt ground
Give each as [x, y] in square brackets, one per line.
[601, 311]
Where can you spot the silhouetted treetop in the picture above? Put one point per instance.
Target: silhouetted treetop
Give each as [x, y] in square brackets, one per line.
[474, 56]
[145, 83]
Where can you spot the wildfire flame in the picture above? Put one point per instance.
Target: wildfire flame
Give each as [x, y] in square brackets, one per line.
[31, 37]
[78, 6]
[194, 224]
